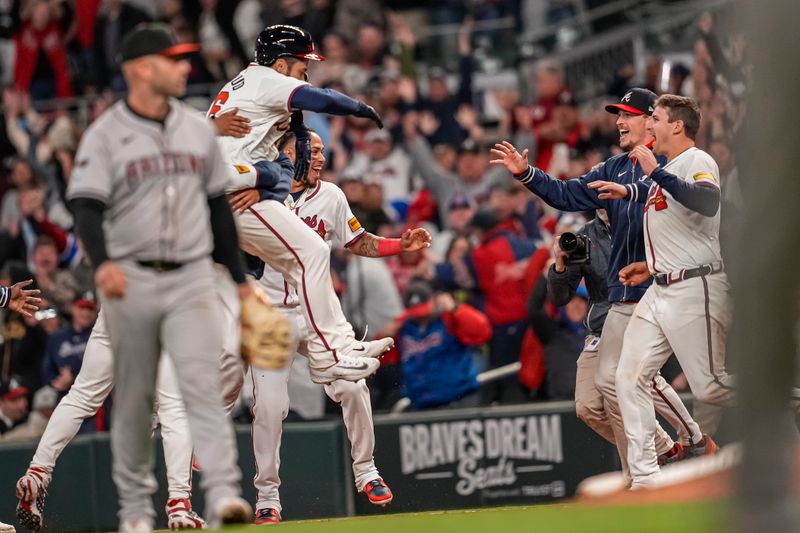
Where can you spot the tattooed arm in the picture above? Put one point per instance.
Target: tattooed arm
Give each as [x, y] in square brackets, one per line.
[366, 246]
[370, 245]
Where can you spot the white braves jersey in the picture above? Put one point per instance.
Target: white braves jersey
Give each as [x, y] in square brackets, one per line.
[262, 95]
[325, 210]
[675, 236]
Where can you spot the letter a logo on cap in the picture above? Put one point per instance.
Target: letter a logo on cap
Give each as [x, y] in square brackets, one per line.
[627, 97]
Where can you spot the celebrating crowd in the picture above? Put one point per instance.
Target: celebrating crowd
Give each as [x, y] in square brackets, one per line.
[477, 299]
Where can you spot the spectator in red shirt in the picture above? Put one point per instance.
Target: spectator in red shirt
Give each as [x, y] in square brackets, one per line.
[41, 66]
[548, 82]
[498, 264]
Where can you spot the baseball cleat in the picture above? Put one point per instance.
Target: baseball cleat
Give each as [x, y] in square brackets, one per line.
[378, 492]
[181, 516]
[7, 528]
[135, 526]
[706, 446]
[374, 348]
[31, 491]
[675, 454]
[232, 511]
[347, 368]
[267, 516]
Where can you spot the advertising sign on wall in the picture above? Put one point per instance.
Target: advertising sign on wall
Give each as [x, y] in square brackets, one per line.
[487, 457]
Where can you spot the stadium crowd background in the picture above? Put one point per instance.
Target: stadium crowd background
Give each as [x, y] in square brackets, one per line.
[437, 72]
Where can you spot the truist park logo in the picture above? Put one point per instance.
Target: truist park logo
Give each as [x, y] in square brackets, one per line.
[486, 455]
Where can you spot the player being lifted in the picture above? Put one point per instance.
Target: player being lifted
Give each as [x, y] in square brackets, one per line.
[266, 93]
[323, 206]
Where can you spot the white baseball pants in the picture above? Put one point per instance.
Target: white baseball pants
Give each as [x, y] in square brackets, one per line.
[691, 319]
[271, 231]
[93, 385]
[271, 405]
[666, 401]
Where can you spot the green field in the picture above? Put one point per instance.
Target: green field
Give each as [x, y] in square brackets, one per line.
[563, 518]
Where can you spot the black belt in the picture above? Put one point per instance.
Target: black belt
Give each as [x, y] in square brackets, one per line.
[160, 266]
[702, 270]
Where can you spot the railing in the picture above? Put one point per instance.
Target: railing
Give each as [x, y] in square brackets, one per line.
[483, 378]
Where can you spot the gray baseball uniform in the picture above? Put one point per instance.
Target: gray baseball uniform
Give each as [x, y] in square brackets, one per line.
[155, 180]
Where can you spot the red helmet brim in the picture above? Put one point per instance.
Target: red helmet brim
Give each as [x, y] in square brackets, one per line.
[311, 55]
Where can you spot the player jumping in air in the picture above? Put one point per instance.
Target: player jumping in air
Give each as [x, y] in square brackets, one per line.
[271, 92]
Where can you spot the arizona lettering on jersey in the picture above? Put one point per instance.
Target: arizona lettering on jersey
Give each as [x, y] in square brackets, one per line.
[155, 179]
[325, 209]
[262, 95]
[675, 236]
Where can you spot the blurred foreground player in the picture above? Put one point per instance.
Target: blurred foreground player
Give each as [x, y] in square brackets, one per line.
[148, 178]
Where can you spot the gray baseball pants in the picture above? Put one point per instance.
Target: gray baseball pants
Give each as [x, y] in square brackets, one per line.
[179, 312]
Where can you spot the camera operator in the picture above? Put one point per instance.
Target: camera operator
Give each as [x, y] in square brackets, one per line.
[563, 278]
[562, 284]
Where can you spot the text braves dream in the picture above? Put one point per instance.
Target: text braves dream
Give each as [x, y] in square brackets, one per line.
[483, 451]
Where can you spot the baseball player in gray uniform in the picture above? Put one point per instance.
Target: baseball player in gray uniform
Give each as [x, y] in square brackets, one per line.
[94, 383]
[148, 178]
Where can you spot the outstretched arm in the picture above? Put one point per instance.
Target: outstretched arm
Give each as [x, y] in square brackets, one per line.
[370, 245]
[18, 298]
[566, 195]
[701, 196]
[332, 102]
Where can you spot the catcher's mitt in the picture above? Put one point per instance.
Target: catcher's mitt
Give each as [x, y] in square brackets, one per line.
[266, 334]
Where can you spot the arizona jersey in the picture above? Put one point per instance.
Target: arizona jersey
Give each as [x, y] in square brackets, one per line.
[675, 236]
[325, 210]
[262, 95]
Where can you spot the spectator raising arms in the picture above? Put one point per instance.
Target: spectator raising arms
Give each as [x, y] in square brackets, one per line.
[41, 66]
[435, 338]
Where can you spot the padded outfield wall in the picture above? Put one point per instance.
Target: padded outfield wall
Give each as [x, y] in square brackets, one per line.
[437, 460]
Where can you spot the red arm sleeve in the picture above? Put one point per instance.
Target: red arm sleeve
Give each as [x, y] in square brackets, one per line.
[468, 325]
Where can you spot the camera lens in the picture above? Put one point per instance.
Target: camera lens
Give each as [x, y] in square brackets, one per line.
[568, 242]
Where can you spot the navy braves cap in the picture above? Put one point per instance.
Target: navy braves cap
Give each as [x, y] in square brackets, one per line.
[461, 201]
[417, 292]
[484, 220]
[152, 39]
[637, 101]
[11, 389]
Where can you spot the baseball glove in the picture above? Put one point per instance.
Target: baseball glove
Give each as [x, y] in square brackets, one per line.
[266, 334]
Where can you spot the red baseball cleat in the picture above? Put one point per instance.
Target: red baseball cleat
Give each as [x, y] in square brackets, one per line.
[267, 516]
[675, 454]
[378, 492]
